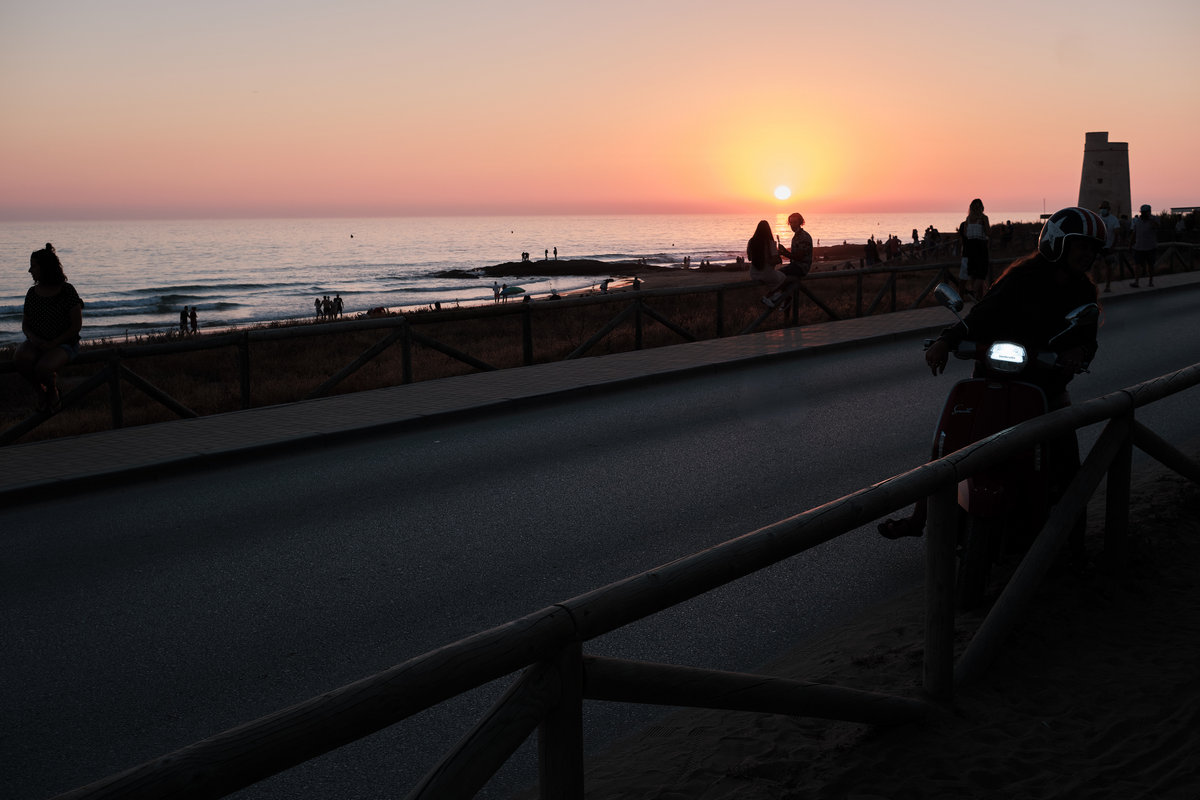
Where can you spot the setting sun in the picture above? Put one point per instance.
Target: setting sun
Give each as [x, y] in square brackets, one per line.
[782, 192]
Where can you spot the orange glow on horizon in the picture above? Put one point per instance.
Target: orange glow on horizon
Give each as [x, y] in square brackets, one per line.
[365, 108]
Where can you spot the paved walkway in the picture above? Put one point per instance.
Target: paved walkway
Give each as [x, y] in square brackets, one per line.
[33, 471]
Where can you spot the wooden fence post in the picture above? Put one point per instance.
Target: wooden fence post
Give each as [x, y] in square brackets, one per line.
[527, 334]
[941, 535]
[720, 313]
[560, 736]
[244, 367]
[1116, 508]
[637, 323]
[114, 391]
[858, 295]
[406, 365]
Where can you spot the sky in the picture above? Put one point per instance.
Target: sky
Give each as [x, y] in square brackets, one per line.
[262, 108]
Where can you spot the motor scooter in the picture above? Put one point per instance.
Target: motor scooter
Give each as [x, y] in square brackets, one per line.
[1004, 506]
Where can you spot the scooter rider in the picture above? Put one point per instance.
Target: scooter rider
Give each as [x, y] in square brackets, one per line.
[1027, 305]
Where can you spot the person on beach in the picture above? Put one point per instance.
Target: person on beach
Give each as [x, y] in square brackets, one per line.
[52, 319]
[1027, 304]
[183, 320]
[338, 305]
[800, 257]
[1143, 243]
[192, 319]
[974, 235]
[762, 251]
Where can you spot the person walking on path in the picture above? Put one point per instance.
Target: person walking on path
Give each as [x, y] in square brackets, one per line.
[52, 319]
[974, 235]
[192, 319]
[1108, 255]
[1143, 243]
[800, 257]
[183, 320]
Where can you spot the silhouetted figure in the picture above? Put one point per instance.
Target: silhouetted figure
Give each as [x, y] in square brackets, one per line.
[800, 257]
[974, 235]
[52, 319]
[192, 319]
[1143, 241]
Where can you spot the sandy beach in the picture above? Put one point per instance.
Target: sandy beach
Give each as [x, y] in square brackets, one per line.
[656, 276]
[1098, 696]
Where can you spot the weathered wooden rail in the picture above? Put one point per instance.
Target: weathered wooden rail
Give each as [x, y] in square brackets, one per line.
[403, 331]
[555, 676]
[635, 308]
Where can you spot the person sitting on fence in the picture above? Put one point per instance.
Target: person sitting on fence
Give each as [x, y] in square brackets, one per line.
[1027, 304]
[51, 323]
[800, 260]
[762, 251]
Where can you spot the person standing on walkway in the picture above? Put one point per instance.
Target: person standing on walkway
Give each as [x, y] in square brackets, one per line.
[52, 319]
[800, 256]
[1144, 245]
[974, 235]
[1108, 256]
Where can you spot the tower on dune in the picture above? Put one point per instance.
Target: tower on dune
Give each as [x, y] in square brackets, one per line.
[1105, 174]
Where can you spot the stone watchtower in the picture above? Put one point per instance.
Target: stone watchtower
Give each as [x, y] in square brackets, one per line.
[1105, 174]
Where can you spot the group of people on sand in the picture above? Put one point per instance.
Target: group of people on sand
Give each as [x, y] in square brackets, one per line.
[328, 308]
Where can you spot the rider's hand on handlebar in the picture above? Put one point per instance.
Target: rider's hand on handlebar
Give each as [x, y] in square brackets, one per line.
[937, 355]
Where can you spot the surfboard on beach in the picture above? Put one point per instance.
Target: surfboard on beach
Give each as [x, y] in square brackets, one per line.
[511, 290]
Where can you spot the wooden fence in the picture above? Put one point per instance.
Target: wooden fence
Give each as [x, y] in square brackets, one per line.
[635, 308]
[556, 676]
[402, 331]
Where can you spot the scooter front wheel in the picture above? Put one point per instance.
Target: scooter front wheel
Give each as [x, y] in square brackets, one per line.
[981, 540]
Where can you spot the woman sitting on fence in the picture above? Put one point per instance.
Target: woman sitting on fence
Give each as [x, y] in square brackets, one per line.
[763, 253]
[52, 320]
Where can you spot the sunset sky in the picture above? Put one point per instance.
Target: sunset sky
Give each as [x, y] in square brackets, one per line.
[164, 108]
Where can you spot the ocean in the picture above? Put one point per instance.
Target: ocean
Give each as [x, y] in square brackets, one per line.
[135, 276]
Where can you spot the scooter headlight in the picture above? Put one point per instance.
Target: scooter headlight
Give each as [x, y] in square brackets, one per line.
[1007, 357]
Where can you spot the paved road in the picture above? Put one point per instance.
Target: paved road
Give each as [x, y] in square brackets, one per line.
[138, 621]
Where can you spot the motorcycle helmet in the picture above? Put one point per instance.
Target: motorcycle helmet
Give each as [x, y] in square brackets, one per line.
[1066, 223]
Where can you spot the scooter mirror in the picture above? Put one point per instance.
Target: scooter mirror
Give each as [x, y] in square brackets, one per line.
[946, 295]
[1086, 314]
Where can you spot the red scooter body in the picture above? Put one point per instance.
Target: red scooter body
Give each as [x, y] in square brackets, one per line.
[1004, 505]
[975, 409]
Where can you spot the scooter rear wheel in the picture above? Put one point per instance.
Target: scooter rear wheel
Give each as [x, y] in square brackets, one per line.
[981, 540]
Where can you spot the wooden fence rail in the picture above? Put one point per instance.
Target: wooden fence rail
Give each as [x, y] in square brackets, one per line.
[557, 677]
[401, 330]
